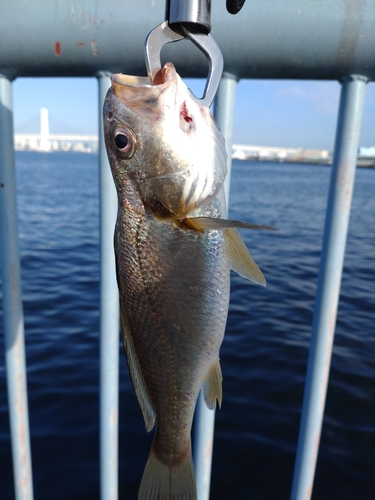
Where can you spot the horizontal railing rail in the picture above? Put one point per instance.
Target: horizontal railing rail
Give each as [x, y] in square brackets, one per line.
[279, 39]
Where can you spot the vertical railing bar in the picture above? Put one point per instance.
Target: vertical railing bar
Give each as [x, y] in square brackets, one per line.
[224, 106]
[204, 424]
[109, 318]
[329, 282]
[12, 302]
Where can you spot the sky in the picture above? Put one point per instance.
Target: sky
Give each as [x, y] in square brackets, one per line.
[282, 113]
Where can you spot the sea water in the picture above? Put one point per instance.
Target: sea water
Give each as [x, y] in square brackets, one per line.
[263, 357]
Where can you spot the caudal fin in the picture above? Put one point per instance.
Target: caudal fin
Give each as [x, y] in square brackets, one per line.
[161, 482]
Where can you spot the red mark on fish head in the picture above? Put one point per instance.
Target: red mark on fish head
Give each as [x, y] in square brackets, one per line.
[57, 49]
[184, 113]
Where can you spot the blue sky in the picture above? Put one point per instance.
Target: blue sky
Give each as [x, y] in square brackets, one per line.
[268, 113]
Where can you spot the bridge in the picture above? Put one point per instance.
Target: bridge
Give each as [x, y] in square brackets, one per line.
[54, 142]
[265, 153]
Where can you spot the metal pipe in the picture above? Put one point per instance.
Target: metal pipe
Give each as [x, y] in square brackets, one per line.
[190, 13]
[109, 318]
[12, 302]
[329, 282]
[204, 422]
[278, 39]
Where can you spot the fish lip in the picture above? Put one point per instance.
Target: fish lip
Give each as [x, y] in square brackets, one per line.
[163, 78]
[135, 91]
[130, 81]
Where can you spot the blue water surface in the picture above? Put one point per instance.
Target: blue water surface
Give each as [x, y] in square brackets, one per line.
[263, 357]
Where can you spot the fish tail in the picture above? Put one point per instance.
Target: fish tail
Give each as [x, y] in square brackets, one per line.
[162, 482]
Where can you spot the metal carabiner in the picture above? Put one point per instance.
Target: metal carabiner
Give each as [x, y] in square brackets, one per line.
[163, 34]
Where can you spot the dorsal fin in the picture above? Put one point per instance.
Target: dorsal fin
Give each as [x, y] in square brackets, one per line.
[136, 376]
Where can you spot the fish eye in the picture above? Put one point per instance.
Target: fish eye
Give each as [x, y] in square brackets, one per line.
[124, 142]
[121, 141]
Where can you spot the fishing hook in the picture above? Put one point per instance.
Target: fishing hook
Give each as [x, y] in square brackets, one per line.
[189, 19]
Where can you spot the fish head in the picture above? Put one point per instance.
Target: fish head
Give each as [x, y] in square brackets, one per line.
[162, 141]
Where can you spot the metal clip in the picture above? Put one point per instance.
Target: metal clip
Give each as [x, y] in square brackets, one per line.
[163, 34]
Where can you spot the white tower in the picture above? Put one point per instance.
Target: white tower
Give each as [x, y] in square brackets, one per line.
[44, 130]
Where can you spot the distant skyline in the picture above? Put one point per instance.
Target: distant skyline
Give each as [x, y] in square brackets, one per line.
[268, 112]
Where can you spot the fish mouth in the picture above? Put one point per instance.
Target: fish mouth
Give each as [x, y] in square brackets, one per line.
[135, 89]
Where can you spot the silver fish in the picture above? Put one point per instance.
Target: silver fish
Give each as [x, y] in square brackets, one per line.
[174, 251]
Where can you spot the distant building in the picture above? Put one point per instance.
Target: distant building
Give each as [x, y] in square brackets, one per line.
[288, 155]
[367, 151]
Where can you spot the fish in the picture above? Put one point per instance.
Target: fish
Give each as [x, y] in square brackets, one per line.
[174, 250]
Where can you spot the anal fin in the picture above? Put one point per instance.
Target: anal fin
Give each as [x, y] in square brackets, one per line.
[212, 388]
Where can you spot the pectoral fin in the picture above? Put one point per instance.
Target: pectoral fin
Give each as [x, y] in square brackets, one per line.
[212, 388]
[200, 223]
[240, 259]
[136, 376]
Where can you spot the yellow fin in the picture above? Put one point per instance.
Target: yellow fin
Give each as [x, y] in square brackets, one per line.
[199, 223]
[240, 259]
[136, 376]
[161, 482]
[212, 388]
